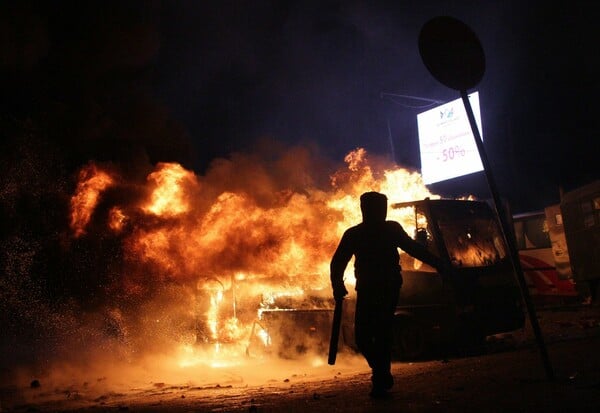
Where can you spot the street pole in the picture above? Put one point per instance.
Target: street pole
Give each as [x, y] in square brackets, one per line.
[453, 54]
[506, 232]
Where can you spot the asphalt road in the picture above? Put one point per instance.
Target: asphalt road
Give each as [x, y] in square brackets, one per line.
[508, 377]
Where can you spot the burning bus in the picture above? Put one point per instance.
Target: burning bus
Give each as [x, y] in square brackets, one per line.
[235, 263]
[481, 297]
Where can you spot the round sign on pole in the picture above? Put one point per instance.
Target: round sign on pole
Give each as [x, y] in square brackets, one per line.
[452, 52]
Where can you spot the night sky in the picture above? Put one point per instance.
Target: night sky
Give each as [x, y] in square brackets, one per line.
[191, 81]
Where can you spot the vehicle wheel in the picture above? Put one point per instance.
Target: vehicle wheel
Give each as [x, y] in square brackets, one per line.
[409, 340]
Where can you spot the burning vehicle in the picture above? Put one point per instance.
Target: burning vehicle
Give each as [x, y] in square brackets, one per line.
[480, 298]
[235, 263]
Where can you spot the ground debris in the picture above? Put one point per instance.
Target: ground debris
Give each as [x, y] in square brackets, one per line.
[211, 387]
[103, 398]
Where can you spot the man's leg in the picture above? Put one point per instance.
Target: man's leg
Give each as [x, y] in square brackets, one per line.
[364, 327]
[382, 348]
[384, 338]
[374, 336]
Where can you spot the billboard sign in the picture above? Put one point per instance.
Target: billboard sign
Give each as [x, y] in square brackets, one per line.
[447, 146]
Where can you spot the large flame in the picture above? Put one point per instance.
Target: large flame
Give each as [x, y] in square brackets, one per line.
[169, 197]
[92, 182]
[243, 248]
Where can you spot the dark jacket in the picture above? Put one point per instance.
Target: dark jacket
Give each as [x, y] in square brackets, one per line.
[375, 247]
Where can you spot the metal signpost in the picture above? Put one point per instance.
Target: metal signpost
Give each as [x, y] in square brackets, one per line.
[454, 56]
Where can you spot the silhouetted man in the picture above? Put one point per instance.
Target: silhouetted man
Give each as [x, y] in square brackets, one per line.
[374, 244]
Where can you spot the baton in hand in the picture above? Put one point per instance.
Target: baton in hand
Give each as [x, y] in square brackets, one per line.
[335, 331]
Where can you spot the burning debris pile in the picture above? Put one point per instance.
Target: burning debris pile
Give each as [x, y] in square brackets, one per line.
[216, 261]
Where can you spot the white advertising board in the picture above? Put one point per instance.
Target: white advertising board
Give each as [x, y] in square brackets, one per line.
[447, 146]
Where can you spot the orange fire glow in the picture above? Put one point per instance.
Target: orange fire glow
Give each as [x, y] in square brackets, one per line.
[116, 219]
[241, 250]
[92, 182]
[168, 196]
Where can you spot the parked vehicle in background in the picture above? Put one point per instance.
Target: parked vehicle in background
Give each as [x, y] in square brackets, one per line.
[580, 210]
[541, 243]
[559, 248]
